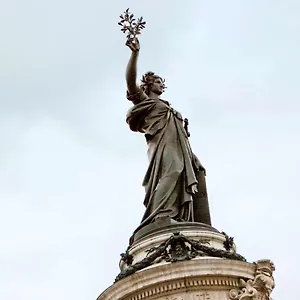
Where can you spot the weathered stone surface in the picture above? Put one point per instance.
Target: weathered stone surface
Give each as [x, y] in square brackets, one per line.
[204, 278]
[198, 232]
[187, 267]
[260, 287]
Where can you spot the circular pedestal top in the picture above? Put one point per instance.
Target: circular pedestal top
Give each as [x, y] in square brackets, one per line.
[183, 237]
[169, 226]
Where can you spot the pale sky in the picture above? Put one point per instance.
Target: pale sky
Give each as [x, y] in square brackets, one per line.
[71, 170]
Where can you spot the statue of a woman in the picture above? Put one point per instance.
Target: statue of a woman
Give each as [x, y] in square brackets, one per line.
[175, 179]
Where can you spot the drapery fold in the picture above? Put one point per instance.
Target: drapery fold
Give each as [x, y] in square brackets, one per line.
[174, 181]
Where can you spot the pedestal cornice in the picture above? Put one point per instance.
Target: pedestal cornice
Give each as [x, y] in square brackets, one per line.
[190, 275]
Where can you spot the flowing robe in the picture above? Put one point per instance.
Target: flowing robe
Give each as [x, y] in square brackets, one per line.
[174, 182]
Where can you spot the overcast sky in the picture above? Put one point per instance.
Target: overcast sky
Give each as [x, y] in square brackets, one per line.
[70, 168]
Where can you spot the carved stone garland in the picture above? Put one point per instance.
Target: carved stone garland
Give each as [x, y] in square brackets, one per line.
[176, 248]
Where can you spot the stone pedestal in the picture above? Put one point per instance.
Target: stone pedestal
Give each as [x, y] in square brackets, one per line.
[188, 261]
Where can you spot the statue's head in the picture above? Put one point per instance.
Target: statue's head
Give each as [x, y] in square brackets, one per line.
[153, 83]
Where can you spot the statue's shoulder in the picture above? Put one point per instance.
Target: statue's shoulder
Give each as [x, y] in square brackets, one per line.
[165, 101]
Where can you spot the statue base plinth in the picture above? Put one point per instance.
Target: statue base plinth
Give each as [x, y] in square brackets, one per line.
[154, 234]
[163, 225]
[188, 261]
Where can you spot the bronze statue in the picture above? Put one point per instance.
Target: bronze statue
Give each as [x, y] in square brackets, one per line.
[175, 180]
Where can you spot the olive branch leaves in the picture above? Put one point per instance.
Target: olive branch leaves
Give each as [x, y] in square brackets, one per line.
[131, 26]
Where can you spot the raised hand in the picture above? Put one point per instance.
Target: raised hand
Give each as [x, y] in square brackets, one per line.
[132, 27]
[133, 44]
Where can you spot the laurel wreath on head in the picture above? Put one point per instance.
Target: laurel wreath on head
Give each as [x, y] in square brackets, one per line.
[148, 78]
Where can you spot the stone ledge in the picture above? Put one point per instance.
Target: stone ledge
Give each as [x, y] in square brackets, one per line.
[180, 275]
[187, 284]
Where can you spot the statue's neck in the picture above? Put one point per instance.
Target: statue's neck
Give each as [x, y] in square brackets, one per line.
[154, 96]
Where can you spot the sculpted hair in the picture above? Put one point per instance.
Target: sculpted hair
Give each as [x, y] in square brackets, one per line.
[147, 81]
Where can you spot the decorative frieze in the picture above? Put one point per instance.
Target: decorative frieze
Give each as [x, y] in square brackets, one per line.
[204, 284]
[176, 248]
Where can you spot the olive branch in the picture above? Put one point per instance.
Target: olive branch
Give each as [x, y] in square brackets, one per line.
[130, 25]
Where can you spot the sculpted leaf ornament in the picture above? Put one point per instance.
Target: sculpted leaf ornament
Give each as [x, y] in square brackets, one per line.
[131, 26]
[176, 248]
[258, 288]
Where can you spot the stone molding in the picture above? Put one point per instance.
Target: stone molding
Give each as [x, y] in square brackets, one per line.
[202, 233]
[184, 284]
[205, 273]
[177, 247]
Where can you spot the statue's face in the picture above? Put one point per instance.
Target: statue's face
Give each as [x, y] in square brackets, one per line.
[157, 86]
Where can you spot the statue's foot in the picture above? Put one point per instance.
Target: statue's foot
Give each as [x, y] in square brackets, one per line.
[162, 219]
[180, 220]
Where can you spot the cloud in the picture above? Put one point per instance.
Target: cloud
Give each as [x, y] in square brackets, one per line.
[71, 170]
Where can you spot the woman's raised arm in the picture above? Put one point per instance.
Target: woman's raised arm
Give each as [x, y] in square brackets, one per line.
[131, 70]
